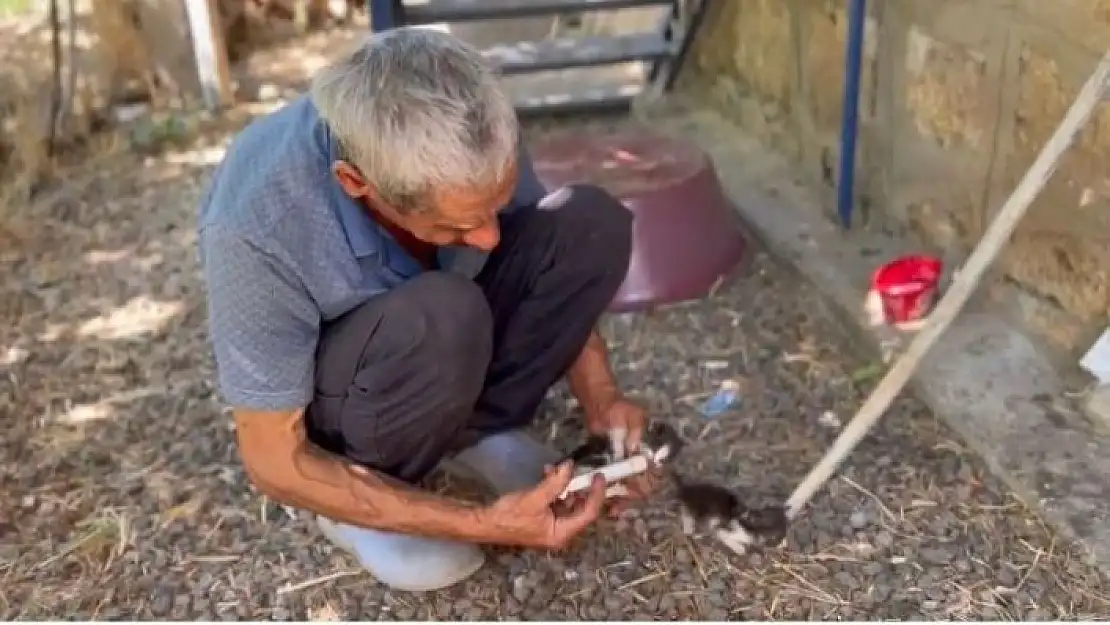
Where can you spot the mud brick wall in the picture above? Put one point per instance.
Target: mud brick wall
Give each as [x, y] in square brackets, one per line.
[958, 98]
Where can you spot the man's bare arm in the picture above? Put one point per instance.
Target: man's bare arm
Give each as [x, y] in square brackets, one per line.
[591, 379]
[288, 468]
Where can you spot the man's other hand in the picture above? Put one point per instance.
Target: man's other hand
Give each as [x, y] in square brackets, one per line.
[537, 518]
[623, 421]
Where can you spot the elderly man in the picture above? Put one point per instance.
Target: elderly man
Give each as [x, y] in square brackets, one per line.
[389, 288]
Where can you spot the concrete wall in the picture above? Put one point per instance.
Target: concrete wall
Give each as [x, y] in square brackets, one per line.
[959, 96]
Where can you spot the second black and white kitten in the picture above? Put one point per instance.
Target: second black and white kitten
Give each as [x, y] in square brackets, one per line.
[662, 443]
[712, 509]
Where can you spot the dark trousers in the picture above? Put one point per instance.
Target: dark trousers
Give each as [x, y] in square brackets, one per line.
[442, 361]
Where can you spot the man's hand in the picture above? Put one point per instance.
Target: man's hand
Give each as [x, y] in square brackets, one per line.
[624, 422]
[610, 414]
[536, 517]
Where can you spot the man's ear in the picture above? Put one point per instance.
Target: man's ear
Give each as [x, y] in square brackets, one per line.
[350, 179]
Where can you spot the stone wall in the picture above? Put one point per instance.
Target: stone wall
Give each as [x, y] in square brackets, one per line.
[958, 98]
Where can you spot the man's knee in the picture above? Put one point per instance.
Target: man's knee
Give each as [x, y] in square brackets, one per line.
[397, 398]
[452, 320]
[436, 322]
[598, 223]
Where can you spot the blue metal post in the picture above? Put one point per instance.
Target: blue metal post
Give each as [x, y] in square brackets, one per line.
[384, 14]
[849, 124]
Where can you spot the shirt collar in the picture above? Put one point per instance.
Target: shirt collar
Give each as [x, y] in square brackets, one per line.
[364, 236]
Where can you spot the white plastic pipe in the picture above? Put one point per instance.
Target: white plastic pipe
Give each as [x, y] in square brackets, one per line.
[615, 472]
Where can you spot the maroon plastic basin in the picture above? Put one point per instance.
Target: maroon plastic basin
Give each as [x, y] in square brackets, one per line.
[685, 233]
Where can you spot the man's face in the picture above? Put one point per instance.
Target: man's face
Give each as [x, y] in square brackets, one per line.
[464, 216]
[458, 217]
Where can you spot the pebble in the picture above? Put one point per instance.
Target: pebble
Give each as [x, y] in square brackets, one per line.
[521, 591]
[718, 614]
[858, 520]
[443, 610]
[935, 556]
[1038, 614]
[936, 591]
[161, 603]
[846, 580]
[513, 606]
[718, 598]
[1006, 576]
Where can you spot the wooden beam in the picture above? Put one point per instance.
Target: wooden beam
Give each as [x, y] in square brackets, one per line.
[210, 51]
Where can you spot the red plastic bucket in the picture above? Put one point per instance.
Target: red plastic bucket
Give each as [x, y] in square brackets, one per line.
[907, 287]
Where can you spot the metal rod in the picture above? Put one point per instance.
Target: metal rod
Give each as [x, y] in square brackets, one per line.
[696, 13]
[384, 14]
[849, 124]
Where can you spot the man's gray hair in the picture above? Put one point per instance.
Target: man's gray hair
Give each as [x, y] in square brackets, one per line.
[416, 110]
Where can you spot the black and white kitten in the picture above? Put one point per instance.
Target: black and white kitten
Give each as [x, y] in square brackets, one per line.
[660, 444]
[712, 509]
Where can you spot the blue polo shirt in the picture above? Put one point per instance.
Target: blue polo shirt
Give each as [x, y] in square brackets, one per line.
[283, 248]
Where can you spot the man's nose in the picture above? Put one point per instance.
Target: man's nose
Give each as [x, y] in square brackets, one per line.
[485, 238]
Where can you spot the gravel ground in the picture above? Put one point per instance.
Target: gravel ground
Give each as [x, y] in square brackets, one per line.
[127, 499]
